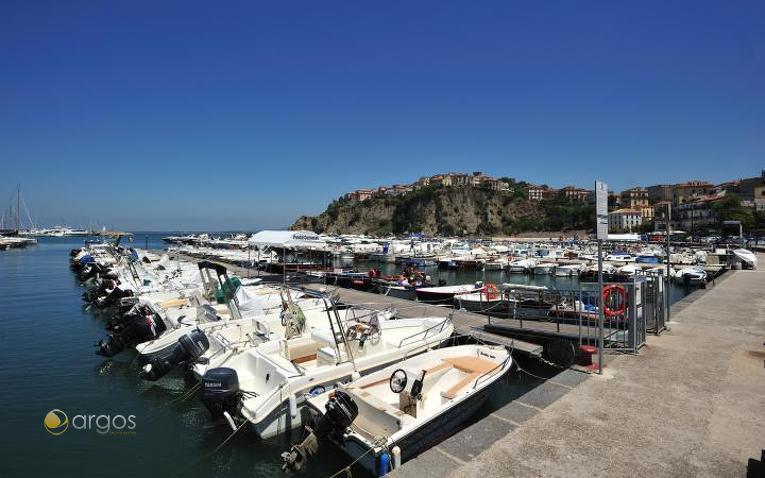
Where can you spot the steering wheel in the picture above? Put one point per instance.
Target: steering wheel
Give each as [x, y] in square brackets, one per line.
[398, 381]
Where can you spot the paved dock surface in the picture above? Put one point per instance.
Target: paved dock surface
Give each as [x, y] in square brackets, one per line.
[691, 404]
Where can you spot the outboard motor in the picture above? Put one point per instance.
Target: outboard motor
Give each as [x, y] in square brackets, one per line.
[113, 297]
[341, 411]
[189, 348]
[142, 329]
[220, 391]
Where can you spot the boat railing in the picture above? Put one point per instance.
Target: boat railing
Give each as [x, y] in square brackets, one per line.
[491, 372]
[426, 332]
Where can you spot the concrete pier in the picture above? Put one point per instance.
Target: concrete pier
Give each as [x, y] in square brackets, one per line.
[691, 404]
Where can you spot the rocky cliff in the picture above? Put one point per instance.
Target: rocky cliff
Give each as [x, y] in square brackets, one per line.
[447, 211]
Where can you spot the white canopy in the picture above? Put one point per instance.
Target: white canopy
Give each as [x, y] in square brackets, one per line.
[624, 237]
[288, 240]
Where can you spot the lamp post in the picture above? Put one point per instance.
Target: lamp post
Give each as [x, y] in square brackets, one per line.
[669, 262]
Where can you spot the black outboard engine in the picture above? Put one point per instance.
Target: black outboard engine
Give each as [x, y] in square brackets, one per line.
[189, 348]
[341, 410]
[141, 328]
[112, 298]
[220, 391]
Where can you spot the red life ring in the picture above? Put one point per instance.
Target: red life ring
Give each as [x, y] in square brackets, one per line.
[621, 300]
[491, 291]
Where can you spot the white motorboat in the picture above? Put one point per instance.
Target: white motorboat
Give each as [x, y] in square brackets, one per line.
[746, 257]
[543, 268]
[690, 275]
[444, 293]
[266, 385]
[208, 346]
[627, 270]
[255, 311]
[404, 408]
[520, 266]
[568, 270]
[487, 299]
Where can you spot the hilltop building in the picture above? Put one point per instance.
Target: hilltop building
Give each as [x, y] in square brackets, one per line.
[637, 198]
[625, 219]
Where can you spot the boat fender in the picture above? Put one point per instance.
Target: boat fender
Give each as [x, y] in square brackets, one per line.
[383, 464]
[230, 420]
[395, 453]
[355, 376]
[293, 406]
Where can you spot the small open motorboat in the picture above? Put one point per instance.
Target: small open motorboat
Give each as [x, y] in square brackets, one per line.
[405, 408]
[747, 258]
[690, 275]
[268, 384]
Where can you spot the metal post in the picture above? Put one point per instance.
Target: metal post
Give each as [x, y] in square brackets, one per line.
[669, 262]
[601, 320]
[284, 268]
[741, 233]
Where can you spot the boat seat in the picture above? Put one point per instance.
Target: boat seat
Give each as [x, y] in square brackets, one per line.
[326, 356]
[472, 367]
[377, 417]
[174, 303]
[470, 364]
[457, 387]
[324, 336]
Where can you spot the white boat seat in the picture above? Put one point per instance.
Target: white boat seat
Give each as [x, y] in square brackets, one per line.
[322, 335]
[326, 356]
[377, 417]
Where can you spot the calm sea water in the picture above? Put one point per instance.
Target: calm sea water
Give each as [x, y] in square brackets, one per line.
[49, 363]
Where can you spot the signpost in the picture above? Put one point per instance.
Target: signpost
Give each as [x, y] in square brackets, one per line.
[669, 256]
[601, 225]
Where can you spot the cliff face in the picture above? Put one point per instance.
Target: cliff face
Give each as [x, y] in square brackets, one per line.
[443, 211]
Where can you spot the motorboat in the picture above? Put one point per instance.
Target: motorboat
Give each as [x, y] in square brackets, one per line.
[485, 300]
[690, 276]
[620, 256]
[627, 270]
[265, 386]
[543, 268]
[521, 266]
[747, 257]
[208, 346]
[444, 293]
[404, 408]
[568, 270]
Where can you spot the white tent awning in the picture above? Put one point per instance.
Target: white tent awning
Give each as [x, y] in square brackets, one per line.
[306, 240]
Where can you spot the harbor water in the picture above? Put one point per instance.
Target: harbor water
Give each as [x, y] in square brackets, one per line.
[49, 364]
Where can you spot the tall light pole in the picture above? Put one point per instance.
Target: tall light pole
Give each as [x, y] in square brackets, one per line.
[669, 261]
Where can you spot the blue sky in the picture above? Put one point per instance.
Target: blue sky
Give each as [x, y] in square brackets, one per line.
[220, 115]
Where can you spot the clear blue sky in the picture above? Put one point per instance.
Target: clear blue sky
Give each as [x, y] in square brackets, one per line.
[218, 115]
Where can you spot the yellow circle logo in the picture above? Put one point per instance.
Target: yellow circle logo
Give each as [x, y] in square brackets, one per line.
[56, 422]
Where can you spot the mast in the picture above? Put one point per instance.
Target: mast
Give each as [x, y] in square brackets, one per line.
[18, 207]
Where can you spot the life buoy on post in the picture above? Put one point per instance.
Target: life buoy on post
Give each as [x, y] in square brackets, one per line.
[491, 291]
[617, 294]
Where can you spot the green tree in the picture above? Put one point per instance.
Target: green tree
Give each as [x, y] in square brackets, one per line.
[729, 208]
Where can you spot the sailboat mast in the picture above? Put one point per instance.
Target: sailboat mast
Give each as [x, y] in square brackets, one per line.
[18, 207]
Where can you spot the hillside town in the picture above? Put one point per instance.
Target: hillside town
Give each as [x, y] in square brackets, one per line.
[638, 207]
